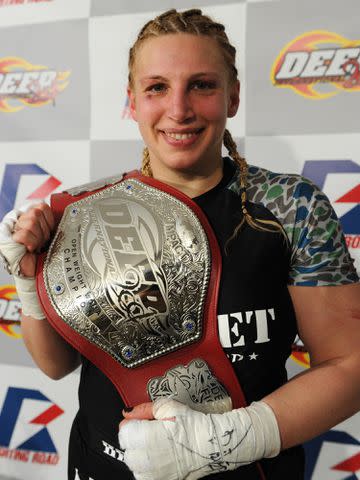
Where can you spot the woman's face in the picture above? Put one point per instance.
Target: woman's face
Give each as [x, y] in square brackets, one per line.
[181, 97]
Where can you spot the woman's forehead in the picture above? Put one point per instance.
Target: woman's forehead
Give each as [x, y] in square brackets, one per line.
[174, 52]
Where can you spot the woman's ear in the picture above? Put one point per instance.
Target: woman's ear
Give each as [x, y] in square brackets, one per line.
[132, 107]
[234, 99]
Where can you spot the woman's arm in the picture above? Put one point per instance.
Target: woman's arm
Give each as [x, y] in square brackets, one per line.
[182, 440]
[30, 231]
[51, 353]
[321, 397]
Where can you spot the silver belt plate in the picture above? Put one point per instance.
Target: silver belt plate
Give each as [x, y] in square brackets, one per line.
[194, 385]
[128, 269]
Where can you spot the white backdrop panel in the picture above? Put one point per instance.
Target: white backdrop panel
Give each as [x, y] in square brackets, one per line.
[26, 12]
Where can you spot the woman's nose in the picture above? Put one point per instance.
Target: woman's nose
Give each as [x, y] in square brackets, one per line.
[180, 108]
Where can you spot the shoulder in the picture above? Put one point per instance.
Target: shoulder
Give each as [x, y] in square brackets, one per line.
[319, 255]
[290, 197]
[265, 186]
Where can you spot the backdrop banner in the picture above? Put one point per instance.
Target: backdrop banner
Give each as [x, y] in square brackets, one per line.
[65, 120]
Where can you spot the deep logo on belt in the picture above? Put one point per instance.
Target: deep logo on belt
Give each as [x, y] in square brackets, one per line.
[9, 311]
[24, 84]
[318, 65]
[136, 287]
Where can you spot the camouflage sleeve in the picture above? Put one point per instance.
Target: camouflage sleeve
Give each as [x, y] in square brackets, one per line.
[319, 255]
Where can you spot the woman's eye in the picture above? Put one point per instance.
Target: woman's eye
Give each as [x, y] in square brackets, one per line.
[157, 88]
[203, 85]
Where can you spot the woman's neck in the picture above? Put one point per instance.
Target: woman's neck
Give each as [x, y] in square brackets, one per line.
[190, 183]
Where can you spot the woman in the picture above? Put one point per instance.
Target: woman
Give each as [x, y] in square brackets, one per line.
[285, 270]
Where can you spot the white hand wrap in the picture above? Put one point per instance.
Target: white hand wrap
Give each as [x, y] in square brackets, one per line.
[12, 253]
[194, 444]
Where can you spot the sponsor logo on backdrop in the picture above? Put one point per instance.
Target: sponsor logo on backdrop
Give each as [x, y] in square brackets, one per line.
[25, 437]
[318, 170]
[331, 454]
[318, 65]
[10, 308]
[13, 174]
[23, 84]
[7, 3]
[126, 115]
[299, 353]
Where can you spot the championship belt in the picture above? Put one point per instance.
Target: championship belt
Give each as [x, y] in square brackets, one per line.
[131, 281]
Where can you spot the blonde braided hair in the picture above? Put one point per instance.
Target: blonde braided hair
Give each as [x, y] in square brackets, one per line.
[194, 22]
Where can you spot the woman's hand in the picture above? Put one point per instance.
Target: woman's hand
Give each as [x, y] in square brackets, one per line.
[23, 233]
[33, 230]
[168, 440]
[143, 411]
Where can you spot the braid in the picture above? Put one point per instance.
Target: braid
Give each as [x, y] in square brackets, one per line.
[145, 166]
[190, 21]
[257, 223]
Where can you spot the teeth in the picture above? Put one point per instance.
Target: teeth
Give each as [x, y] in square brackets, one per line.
[180, 136]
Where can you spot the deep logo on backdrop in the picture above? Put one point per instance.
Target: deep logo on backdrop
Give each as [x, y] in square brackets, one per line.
[24, 84]
[318, 65]
[10, 310]
[12, 176]
[317, 171]
[23, 439]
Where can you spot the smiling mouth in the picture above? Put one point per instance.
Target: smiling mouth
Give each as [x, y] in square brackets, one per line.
[184, 135]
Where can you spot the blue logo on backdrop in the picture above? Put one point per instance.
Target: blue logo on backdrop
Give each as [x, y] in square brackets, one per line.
[40, 441]
[11, 180]
[349, 465]
[317, 171]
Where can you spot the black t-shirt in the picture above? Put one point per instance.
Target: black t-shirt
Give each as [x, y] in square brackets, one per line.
[256, 320]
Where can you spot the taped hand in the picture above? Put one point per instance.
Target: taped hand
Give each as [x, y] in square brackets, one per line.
[183, 443]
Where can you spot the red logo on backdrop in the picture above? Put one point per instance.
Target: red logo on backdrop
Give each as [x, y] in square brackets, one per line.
[126, 114]
[8, 3]
[316, 58]
[24, 84]
[299, 353]
[10, 310]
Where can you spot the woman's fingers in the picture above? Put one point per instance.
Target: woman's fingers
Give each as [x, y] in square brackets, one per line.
[28, 265]
[33, 228]
[143, 411]
[49, 216]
